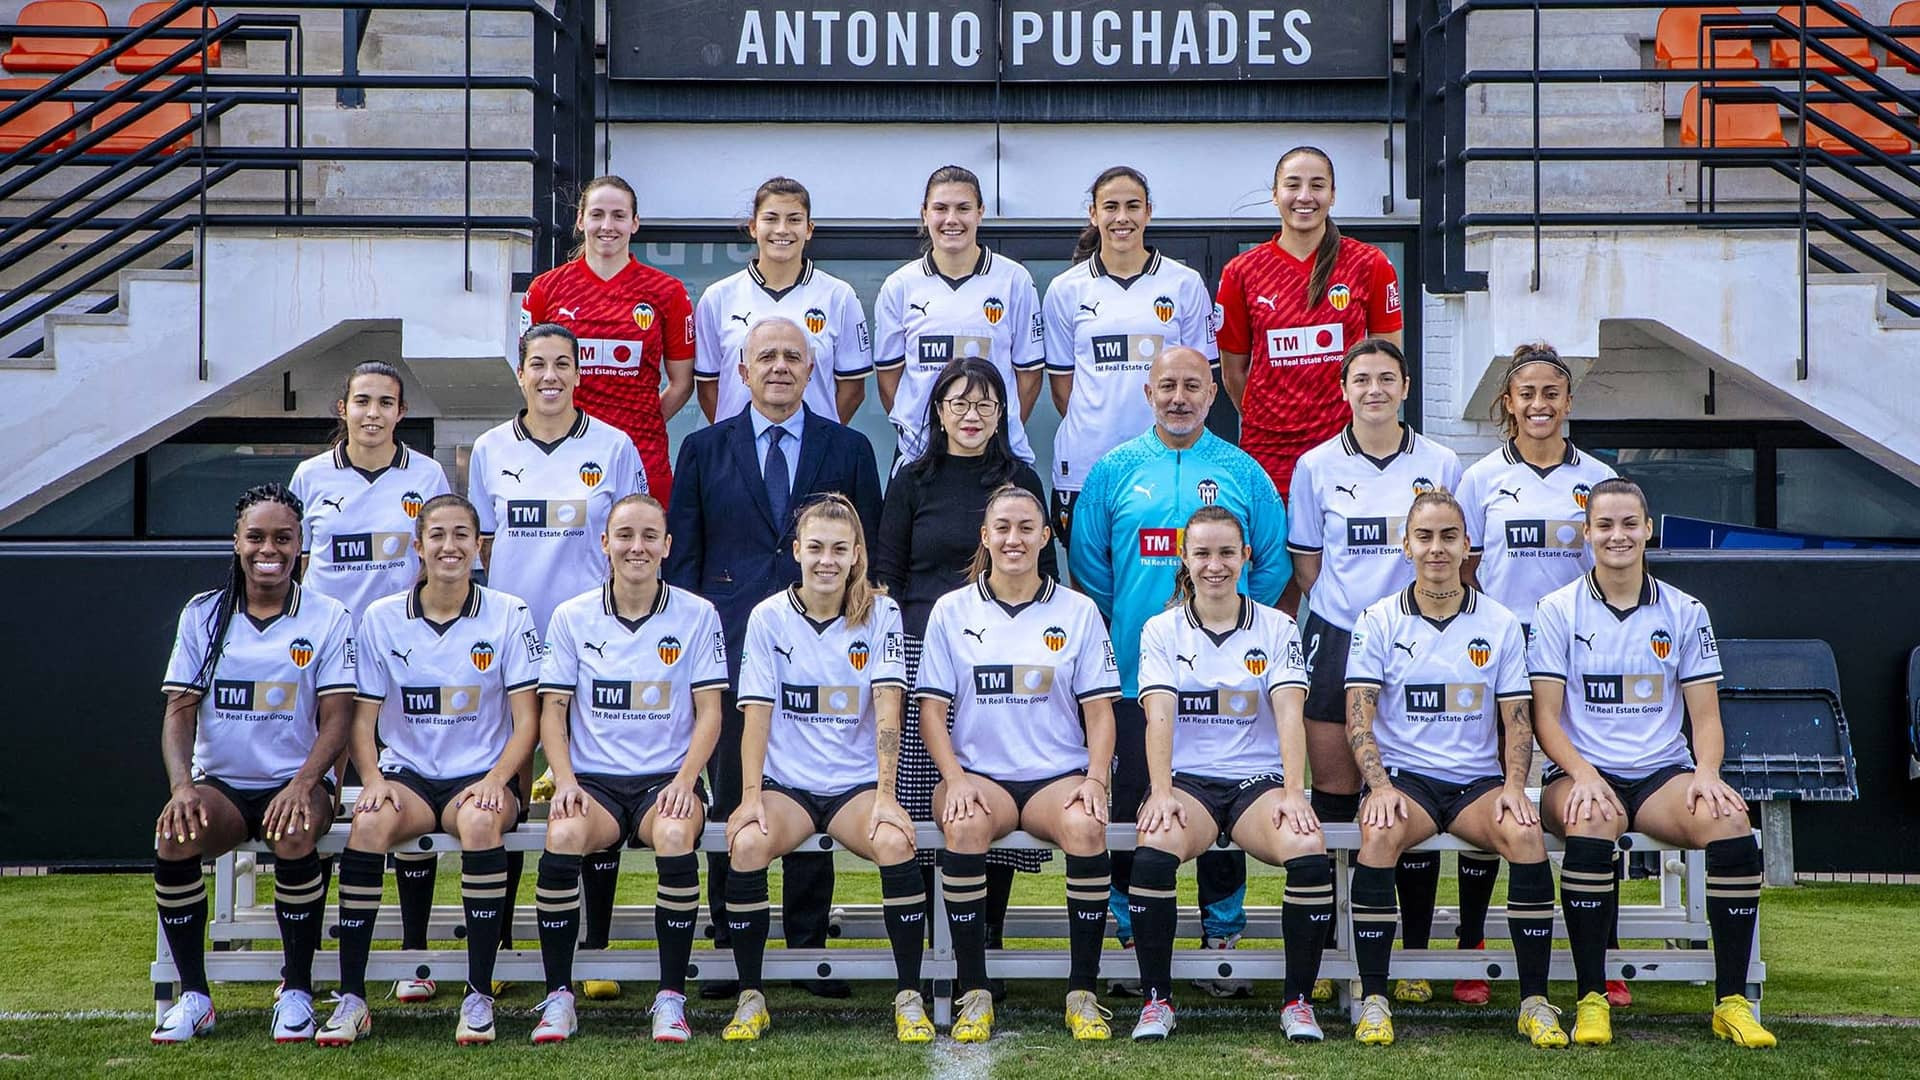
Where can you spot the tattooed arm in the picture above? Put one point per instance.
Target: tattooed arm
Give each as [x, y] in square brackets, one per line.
[888, 706]
[1519, 758]
[1362, 704]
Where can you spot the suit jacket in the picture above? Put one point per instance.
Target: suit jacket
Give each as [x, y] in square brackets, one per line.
[726, 545]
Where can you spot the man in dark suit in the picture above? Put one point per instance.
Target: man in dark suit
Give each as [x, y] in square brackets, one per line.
[736, 486]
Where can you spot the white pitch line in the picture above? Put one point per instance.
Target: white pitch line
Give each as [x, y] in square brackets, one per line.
[968, 1061]
[83, 1014]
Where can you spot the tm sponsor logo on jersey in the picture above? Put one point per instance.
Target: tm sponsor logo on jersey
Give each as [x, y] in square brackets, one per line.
[370, 550]
[1306, 344]
[1126, 352]
[1012, 684]
[1160, 547]
[440, 704]
[1625, 694]
[1544, 537]
[619, 699]
[1232, 708]
[1375, 535]
[939, 349]
[1445, 703]
[255, 702]
[838, 705]
[547, 517]
[611, 356]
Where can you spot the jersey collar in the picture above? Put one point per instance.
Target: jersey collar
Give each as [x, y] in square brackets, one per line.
[800, 609]
[1245, 621]
[1649, 594]
[980, 266]
[1351, 445]
[1099, 269]
[289, 606]
[578, 429]
[342, 461]
[608, 606]
[1510, 453]
[1409, 605]
[468, 610]
[806, 275]
[1047, 587]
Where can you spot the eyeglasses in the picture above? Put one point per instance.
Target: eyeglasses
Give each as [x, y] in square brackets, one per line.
[960, 407]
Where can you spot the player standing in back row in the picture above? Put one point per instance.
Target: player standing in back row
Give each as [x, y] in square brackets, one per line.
[1290, 309]
[633, 322]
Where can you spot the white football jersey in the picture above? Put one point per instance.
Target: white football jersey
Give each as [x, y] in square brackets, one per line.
[442, 689]
[1624, 671]
[631, 683]
[1105, 331]
[1439, 683]
[257, 717]
[1529, 525]
[358, 530]
[819, 303]
[546, 504]
[1352, 510]
[1222, 687]
[1014, 676]
[923, 320]
[819, 680]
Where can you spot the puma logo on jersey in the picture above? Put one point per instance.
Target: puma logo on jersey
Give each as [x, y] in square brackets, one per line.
[742, 319]
[785, 654]
[1091, 309]
[1511, 493]
[566, 313]
[600, 648]
[921, 308]
[1145, 491]
[1187, 660]
[400, 656]
[337, 504]
[977, 635]
[1350, 491]
[1408, 648]
[1267, 300]
[515, 473]
[1586, 640]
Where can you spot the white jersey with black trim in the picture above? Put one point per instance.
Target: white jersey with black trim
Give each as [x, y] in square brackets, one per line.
[358, 531]
[1351, 510]
[822, 305]
[546, 504]
[819, 678]
[442, 689]
[1222, 686]
[631, 682]
[1105, 331]
[1015, 675]
[1528, 525]
[1624, 671]
[1439, 682]
[923, 320]
[258, 710]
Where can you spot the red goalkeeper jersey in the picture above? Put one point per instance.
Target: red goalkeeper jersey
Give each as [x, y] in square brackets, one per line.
[1293, 401]
[627, 325]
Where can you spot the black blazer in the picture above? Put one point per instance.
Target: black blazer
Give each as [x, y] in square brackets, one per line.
[726, 545]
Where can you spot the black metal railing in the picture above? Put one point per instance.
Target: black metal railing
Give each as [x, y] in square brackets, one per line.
[1879, 228]
[185, 185]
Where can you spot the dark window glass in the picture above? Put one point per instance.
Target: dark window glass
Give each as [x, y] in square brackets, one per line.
[1712, 483]
[1836, 492]
[191, 487]
[101, 508]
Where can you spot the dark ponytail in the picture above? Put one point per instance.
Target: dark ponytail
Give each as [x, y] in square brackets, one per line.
[1182, 579]
[947, 174]
[232, 594]
[367, 367]
[1329, 249]
[1089, 241]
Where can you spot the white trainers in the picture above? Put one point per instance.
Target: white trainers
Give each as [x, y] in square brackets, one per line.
[1299, 1024]
[350, 1021]
[558, 1021]
[1225, 988]
[413, 991]
[293, 1019]
[670, 1017]
[476, 1020]
[190, 1017]
[1156, 1021]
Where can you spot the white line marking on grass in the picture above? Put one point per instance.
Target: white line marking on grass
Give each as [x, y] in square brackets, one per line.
[83, 1014]
[968, 1061]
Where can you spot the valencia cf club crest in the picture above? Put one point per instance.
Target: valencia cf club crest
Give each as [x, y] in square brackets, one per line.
[1581, 493]
[1163, 308]
[1422, 485]
[482, 654]
[816, 320]
[1209, 492]
[1339, 296]
[669, 650]
[1055, 637]
[411, 502]
[301, 650]
[1662, 643]
[994, 309]
[643, 316]
[591, 474]
[1479, 651]
[857, 654]
[1256, 661]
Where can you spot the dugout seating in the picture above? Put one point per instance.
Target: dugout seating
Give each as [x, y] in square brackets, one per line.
[246, 937]
[16, 133]
[55, 54]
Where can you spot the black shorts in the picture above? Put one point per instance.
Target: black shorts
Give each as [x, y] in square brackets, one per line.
[1633, 794]
[1023, 791]
[1227, 800]
[252, 802]
[1063, 516]
[628, 798]
[1326, 648]
[438, 793]
[1443, 800]
[821, 808]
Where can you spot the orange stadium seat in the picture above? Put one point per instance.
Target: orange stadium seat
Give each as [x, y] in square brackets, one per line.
[153, 51]
[1907, 14]
[55, 53]
[1786, 51]
[1866, 125]
[136, 135]
[1677, 41]
[1729, 124]
[37, 121]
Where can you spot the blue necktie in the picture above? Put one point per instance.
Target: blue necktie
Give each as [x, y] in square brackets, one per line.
[778, 490]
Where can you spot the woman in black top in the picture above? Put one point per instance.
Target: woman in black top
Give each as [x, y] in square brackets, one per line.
[929, 528]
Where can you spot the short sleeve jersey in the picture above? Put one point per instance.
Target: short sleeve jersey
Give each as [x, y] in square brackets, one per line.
[1293, 400]
[1351, 509]
[1105, 331]
[1528, 524]
[818, 678]
[628, 325]
[1222, 687]
[1015, 676]
[1624, 671]
[546, 504]
[259, 706]
[358, 530]
[825, 307]
[1439, 682]
[442, 689]
[923, 320]
[631, 682]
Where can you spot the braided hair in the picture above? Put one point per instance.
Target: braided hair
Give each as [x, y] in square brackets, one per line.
[230, 595]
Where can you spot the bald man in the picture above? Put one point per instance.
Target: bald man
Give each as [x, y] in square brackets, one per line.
[1123, 553]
